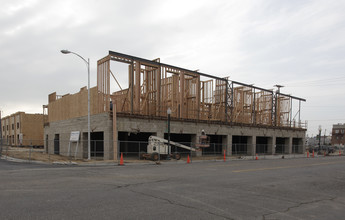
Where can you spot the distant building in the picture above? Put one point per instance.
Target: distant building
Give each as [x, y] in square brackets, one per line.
[314, 141]
[338, 134]
[21, 129]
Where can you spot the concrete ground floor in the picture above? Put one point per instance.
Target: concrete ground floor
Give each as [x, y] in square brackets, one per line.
[133, 132]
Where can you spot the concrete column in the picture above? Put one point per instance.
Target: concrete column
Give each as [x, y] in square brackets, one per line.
[289, 145]
[108, 145]
[160, 134]
[227, 144]
[115, 142]
[271, 145]
[302, 150]
[195, 139]
[251, 145]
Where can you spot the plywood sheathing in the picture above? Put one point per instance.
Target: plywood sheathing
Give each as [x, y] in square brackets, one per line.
[73, 106]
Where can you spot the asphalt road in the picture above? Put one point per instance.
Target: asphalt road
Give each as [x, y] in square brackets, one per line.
[311, 188]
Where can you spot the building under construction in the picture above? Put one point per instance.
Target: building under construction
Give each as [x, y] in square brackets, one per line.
[231, 113]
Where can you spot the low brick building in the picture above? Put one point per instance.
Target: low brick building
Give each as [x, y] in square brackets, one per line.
[22, 129]
[338, 134]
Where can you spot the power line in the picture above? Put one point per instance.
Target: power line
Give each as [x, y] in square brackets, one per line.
[324, 106]
[327, 119]
[326, 81]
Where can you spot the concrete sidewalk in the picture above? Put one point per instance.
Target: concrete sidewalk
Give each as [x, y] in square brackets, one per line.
[148, 162]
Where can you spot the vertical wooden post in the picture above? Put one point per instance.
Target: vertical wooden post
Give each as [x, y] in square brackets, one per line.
[202, 101]
[158, 93]
[148, 81]
[182, 81]
[254, 108]
[198, 97]
[131, 85]
[108, 88]
[137, 88]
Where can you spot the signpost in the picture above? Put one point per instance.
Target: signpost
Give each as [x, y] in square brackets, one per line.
[74, 137]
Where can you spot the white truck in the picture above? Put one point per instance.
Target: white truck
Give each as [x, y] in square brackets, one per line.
[158, 147]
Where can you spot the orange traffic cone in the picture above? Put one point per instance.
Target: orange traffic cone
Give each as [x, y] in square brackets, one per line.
[121, 160]
[256, 158]
[224, 156]
[188, 160]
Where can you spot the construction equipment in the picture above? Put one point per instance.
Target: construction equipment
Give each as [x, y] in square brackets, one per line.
[158, 147]
[204, 140]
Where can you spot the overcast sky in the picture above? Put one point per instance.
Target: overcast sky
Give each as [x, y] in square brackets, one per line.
[299, 44]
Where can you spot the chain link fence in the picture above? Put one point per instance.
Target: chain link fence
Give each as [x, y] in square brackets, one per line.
[65, 150]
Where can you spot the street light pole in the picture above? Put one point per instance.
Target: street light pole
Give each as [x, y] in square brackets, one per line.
[276, 103]
[169, 113]
[320, 137]
[88, 101]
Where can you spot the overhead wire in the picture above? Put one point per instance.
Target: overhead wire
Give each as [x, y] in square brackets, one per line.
[317, 82]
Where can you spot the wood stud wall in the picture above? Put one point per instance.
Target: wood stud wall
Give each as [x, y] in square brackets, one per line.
[158, 87]
[154, 87]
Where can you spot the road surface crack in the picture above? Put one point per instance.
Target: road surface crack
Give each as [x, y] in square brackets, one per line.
[297, 206]
[138, 184]
[181, 205]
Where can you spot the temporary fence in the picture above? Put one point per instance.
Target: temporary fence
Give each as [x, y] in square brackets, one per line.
[66, 150]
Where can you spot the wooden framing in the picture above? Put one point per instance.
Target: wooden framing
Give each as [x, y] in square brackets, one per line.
[283, 111]
[263, 108]
[153, 87]
[243, 105]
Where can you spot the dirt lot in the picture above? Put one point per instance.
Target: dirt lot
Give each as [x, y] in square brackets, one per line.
[25, 153]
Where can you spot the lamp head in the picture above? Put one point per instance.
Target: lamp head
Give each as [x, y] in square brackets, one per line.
[169, 111]
[65, 51]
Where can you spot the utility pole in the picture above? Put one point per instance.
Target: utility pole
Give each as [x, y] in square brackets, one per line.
[324, 137]
[320, 129]
[276, 103]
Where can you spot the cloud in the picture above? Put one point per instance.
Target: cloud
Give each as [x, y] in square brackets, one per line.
[264, 42]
